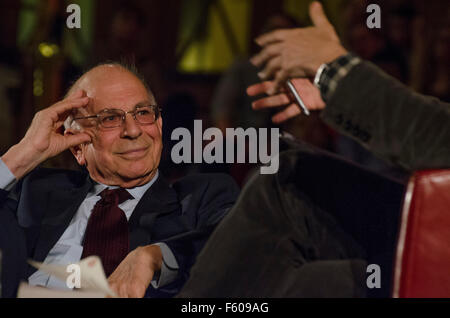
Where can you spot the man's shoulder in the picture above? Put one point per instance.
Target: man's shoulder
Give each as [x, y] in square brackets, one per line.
[210, 184]
[206, 180]
[56, 177]
[203, 194]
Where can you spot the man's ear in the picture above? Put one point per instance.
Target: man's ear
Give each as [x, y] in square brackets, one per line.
[160, 123]
[77, 151]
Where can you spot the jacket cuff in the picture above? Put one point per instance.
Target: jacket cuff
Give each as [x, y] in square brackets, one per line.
[329, 75]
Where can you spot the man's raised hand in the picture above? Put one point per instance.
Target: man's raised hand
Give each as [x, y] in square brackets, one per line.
[298, 52]
[44, 138]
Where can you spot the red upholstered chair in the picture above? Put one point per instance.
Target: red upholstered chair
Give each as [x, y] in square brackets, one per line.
[422, 264]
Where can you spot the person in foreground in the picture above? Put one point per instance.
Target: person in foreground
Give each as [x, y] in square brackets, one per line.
[285, 237]
[146, 232]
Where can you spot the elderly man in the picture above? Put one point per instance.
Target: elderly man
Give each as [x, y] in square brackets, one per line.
[146, 232]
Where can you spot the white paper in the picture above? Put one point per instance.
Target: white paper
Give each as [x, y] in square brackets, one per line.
[92, 275]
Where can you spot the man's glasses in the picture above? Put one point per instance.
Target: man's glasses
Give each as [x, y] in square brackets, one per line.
[112, 118]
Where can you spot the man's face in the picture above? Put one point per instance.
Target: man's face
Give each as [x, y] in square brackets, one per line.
[129, 155]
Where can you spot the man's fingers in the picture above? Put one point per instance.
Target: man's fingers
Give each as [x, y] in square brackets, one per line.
[136, 288]
[76, 94]
[68, 104]
[271, 68]
[118, 287]
[318, 16]
[259, 59]
[123, 291]
[290, 112]
[57, 110]
[113, 287]
[259, 88]
[271, 101]
[267, 53]
[272, 37]
[76, 139]
[280, 80]
[131, 288]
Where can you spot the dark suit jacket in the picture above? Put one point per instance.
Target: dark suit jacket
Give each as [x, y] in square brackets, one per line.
[37, 212]
[398, 125]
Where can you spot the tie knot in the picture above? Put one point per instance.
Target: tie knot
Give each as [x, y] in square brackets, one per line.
[115, 196]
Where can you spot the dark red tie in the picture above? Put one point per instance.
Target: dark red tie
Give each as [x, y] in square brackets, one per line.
[107, 230]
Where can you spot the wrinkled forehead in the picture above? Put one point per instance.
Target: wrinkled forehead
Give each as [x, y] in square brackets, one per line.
[113, 87]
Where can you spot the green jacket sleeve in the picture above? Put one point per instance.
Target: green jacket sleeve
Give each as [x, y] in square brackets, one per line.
[398, 125]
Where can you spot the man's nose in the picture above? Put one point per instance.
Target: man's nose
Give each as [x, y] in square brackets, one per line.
[131, 127]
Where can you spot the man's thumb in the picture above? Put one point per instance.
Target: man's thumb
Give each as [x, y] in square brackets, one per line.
[77, 139]
[317, 15]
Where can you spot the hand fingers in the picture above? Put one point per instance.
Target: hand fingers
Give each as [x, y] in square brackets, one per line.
[129, 289]
[113, 286]
[64, 107]
[318, 16]
[118, 287]
[76, 130]
[123, 291]
[76, 139]
[259, 88]
[267, 53]
[271, 37]
[290, 112]
[271, 101]
[271, 68]
[76, 94]
[68, 104]
[136, 289]
[280, 80]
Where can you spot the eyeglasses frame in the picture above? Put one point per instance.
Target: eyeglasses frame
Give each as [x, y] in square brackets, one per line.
[156, 108]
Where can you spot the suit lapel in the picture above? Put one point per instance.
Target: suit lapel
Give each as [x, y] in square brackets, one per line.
[160, 199]
[62, 206]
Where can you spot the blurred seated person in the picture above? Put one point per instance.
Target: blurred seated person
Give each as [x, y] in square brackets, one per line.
[146, 232]
[284, 237]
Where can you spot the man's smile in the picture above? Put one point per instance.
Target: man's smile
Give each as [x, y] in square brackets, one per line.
[134, 153]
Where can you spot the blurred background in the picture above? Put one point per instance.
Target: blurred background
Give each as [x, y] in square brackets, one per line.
[194, 55]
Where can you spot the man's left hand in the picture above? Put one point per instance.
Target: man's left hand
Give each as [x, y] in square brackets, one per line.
[134, 274]
[298, 52]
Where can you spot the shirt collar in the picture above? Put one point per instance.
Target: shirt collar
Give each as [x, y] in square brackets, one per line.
[136, 192]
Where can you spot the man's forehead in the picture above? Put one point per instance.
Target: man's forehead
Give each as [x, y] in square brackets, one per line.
[113, 86]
